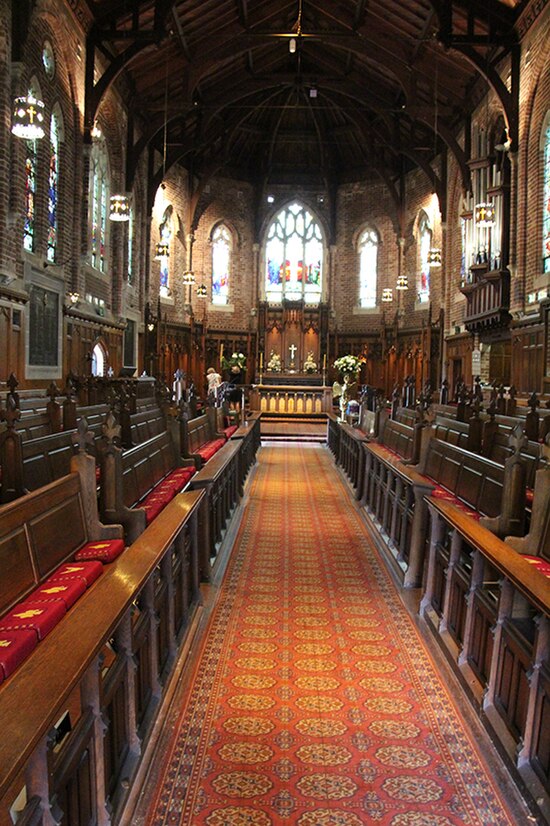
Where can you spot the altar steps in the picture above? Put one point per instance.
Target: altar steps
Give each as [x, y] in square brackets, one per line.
[294, 428]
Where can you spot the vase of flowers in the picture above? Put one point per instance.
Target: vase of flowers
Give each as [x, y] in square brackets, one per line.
[348, 365]
[235, 364]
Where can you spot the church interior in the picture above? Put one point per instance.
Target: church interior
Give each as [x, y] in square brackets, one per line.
[275, 376]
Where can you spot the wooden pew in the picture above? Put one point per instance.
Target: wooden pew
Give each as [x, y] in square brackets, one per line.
[129, 477]
[77, 714]
[249, 435]
[199, 437]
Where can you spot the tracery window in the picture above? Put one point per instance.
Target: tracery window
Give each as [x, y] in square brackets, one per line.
[165, 238]
[294, 256]
[98, 205]
[424, 245]
[368, 268]
[221, 264]
[546, 209]
[53, 187]
[31, 171]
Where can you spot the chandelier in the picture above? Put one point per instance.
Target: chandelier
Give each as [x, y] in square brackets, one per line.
[434, 257]
[162, 250]
[484, 215]
[387, 295]
[119, 208]
[202, 292]
[28, 118]
[402, 283]
[188, 278]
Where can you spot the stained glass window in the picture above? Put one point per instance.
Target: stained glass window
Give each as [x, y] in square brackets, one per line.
[546, 214]
[165, 236]
[221, 262]
[425, 243]
[98, 206]
[53, 192]
[31, 158]
[368, 268]
[294, 257]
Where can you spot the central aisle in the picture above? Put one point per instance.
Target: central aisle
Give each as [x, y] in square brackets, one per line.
[315, 701]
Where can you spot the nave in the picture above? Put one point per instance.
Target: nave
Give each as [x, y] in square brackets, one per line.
[315, 700]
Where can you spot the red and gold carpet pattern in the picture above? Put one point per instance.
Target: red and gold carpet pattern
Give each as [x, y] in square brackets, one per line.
[315, 702]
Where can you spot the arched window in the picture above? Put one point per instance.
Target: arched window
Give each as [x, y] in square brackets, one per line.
[53, 186]
[294, 256]
[99, 196]
[424, 245]
[98, 361]
[368, 268]
[165, 234]
[31, 171]
[546, 206]
[221, 264]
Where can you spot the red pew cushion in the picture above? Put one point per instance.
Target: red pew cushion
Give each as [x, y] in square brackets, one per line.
[39, 617]
[542, 565]
[15, 646]
[68, 592]
[103, 551]
[441, 493]
[207, 450]
[86, 571]
[229, 431]
[180, 476]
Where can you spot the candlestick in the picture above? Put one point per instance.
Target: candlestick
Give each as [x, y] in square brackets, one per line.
[324, 361]
[261, 361]
[221, 354]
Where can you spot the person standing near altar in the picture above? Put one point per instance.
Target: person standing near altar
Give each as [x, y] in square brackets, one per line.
[214, 380]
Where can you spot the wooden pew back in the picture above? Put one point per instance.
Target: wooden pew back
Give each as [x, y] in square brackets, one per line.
[145, 465]
[475, 480]
[399, 438]
[146, 424]
[451, 431]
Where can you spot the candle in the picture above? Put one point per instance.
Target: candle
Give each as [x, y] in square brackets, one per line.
[325, 361]
[261, 361]
[221, 354]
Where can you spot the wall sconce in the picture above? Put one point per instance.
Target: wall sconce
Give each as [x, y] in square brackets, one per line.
[484, 215]
[188, 278]
[402, 282]
[387, 295]
[162, 250]
[28, 117]
[119, 208]
[434, 257]
[202, 291]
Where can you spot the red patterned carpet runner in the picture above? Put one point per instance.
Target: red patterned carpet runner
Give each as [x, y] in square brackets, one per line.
[315, 702]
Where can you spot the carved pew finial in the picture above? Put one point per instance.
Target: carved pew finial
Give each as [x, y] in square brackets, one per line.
[10, 413]
[110, 428]
[83, 436]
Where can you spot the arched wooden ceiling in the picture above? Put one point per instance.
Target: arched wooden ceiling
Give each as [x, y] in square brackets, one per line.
[373, 86]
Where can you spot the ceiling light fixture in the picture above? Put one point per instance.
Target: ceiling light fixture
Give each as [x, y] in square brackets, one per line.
[188, 278]
[28, 118]
[387, 295]
[296, 30]
[119, 208]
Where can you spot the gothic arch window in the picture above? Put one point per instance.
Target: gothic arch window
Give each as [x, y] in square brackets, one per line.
[545, 144]
[99, 196]
[56, 136]
[424, 246]
[98, 360]
[294, 256]
[368, 267]
[222, 249]
[31, 177]
[165, 235]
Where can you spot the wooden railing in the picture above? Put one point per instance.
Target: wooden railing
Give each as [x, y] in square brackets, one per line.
[490, 611]
[291, 399]
[488, 301]
[78, 712]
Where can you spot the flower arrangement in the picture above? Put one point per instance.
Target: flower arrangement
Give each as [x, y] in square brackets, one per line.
[235, 363]
[310, 366]
[274, 363]
[348, 364]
